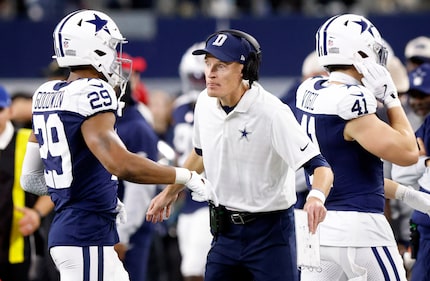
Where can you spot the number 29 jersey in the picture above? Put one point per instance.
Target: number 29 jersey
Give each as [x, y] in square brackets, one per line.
[323, 109]
[83, 191]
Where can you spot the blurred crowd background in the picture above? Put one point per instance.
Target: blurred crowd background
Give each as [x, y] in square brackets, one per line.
[38, 10]
[160, 31]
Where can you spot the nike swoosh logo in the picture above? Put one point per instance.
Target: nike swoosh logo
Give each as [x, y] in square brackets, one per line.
[303, 148]
[358, 95]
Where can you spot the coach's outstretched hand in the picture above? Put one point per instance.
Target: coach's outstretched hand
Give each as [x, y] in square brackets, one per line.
[161, 205]
[201, 189]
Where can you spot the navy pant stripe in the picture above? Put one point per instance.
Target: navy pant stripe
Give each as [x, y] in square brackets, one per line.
[100, 263]
[381, 264]
[390, 258]
[86, 258]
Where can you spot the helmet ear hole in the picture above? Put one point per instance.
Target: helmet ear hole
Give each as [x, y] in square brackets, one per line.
[362, 54]
[100, 53]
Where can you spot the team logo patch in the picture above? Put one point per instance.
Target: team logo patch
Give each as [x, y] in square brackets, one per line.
[244, 133]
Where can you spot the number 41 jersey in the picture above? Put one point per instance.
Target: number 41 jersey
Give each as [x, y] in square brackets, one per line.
[83, 191]
[323, 109]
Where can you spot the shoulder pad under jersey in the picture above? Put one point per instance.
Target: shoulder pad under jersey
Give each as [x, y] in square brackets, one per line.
[357, 101]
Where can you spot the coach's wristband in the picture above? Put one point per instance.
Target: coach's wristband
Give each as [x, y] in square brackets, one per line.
[317, 194]
[182, 175]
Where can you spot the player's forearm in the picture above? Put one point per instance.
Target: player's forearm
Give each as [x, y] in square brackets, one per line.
[139, 169]
[323, 179]
[43, 206]
[390, 188]
[405, 140]
[194, 162]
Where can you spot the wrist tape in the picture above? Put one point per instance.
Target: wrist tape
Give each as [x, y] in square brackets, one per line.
[182, 175]
[317, 194]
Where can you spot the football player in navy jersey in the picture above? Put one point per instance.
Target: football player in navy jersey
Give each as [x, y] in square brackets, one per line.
[76, 156]
[338, 113]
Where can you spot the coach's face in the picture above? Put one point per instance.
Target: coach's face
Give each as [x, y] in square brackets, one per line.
[224, 80]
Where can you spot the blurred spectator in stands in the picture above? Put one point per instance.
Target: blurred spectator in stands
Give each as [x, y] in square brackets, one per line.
[21, 110]
[161, 105]
[137, 88]
[417, 52]
[54, 72]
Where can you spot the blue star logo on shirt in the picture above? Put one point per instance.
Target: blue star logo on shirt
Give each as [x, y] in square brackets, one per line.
[99, 23]
[244, 134]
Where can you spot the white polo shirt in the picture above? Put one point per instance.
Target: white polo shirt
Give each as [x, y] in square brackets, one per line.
[251, 154]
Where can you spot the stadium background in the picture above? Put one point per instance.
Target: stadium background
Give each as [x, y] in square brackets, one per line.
[26, 47]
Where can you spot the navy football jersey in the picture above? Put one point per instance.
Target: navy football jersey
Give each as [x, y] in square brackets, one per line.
[83, 191]
[323, 110]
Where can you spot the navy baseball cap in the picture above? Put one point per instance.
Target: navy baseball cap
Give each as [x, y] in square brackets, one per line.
[5, 100]
[226, 47]
[419, 79]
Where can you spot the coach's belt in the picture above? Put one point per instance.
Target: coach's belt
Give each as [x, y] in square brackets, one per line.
[244, 217]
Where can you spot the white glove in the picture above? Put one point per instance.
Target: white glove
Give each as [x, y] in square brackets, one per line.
[417, 200]
[201, 189]
[121, 217]
[378, 80]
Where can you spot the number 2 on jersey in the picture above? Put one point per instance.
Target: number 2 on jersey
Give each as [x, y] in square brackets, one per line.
[54, 150]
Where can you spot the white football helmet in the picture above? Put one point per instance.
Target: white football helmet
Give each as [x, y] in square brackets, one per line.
[341, 37]
[88, 37]
[192, 70]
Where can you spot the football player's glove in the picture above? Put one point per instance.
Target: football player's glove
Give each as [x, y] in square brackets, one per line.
[201, 189]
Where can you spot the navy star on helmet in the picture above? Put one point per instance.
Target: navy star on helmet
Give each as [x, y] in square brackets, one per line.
[99, 23]
[343, 36]
[78, 41]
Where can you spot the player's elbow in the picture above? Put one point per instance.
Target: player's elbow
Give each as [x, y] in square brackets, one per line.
[407, 158]
[117, 169]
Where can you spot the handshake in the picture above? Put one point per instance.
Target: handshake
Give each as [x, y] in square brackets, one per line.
[201, 188]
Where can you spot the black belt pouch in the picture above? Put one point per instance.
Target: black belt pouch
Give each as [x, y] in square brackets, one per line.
[219, 220]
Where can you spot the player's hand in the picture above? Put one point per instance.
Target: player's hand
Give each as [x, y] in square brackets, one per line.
[378, 80]
[30, 221]
[121, 217]
[316, 212]
[201, 189]
[161, 205]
